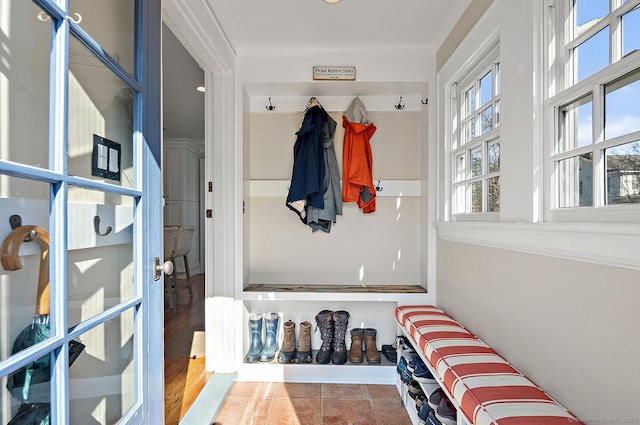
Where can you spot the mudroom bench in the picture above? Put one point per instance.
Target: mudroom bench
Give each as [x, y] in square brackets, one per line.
[483, 387]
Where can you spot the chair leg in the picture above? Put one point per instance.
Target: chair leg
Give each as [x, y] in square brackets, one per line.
[169, 291]
[188, 273]
[175, 286]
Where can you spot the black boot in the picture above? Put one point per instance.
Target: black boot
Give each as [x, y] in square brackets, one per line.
[324, 321]
[340, 322]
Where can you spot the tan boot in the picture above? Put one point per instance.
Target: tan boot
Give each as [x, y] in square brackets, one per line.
[303, 354]
[288, 351]
[370, 346]
[355, 353]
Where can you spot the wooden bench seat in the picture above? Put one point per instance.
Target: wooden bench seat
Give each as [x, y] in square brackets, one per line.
[484, 386]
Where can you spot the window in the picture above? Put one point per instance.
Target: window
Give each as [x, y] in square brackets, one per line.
[475, 139]
[594, 154]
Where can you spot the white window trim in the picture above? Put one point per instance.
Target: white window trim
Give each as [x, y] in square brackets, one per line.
[557, 97]
[475, 67]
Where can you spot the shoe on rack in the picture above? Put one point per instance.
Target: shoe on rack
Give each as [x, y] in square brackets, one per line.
[431, 419]
[255, 336]
[446, 413]
[340, 324]
[420, 400]
[405, 376]
[303, 353]
[324, 322]
[436, 397]
[288, 351]
[422, 374]
[415, 389]
[424, 411]
[270, 346]
[371, 346]
[412, 361]
[355, 352]
[390, 352]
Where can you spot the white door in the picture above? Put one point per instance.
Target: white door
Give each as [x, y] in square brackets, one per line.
[81, 308]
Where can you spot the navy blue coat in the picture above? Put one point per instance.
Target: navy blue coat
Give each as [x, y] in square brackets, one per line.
[308, 164]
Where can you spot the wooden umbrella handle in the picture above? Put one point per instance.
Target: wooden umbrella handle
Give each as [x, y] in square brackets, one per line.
[9, 256]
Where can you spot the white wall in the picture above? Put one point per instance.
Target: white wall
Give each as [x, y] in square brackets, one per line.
[380, 248]
[564, 316]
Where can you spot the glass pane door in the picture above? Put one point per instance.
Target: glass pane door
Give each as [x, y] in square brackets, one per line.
[80, 203]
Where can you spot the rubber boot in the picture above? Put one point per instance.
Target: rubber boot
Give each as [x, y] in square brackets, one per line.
[370, 346]
[288, 351]
[355, 353]
[340, 323]
[324, 322]
[303, 354]
[255, 335]
[270, 347]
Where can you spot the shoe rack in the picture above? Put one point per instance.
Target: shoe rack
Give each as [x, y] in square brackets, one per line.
[366, 310]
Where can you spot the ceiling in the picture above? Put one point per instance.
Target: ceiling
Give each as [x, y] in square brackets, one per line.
[297, 25]
[314, 23]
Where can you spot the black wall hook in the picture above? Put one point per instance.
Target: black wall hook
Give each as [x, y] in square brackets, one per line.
[96, 227]
[425, 101]
[15, 221]
[270, 107]
[399, 106]
[378, 187]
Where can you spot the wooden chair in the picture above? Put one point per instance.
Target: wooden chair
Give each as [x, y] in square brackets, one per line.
[183, 248]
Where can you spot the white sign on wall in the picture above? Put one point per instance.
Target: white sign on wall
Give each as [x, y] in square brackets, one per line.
[334, 73]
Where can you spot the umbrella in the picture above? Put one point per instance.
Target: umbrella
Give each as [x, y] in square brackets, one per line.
[30, 384]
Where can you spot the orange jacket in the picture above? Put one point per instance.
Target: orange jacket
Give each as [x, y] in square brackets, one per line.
[357, 165]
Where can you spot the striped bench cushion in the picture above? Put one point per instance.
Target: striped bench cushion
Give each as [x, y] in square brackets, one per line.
[488, 389]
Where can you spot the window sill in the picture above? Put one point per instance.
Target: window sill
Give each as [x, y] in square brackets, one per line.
[615, 245]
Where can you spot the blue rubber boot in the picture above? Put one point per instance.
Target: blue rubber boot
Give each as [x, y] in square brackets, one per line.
[270, 347]
[255, 335]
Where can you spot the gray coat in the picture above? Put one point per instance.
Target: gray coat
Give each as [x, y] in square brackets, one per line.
[321, 219]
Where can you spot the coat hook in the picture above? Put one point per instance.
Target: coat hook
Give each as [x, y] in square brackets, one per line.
[425, 101]
[399, 106]
[270, 107]
[15, 221]
[378, 187]
[96, 227]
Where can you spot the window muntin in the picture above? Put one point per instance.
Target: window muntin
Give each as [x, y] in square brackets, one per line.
[594, 152]
[476, 160]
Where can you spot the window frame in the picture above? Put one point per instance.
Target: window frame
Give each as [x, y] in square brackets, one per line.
[488, 60]
[561, 92]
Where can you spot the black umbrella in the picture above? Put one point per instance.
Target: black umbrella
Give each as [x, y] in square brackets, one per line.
[30, 384]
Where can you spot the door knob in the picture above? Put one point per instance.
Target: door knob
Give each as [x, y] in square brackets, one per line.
[166, 268]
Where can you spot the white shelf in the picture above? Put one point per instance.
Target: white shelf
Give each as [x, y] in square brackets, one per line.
[405, 294]
[329, 373]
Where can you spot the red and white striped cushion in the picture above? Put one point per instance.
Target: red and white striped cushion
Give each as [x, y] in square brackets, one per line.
[487, 388]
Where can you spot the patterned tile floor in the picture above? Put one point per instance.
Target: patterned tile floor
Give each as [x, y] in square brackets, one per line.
[252, 403]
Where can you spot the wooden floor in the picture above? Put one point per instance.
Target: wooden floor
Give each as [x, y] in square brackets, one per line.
[184, 377]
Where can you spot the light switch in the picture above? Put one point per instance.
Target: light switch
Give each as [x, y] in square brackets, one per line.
[113, 160]
[103, 153]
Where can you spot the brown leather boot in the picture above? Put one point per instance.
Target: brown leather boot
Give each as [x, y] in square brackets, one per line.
[288, 351]
[370, 346]
[303, 354]
[355, 353]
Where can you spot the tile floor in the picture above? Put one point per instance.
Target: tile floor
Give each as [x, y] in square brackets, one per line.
[251, 403]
